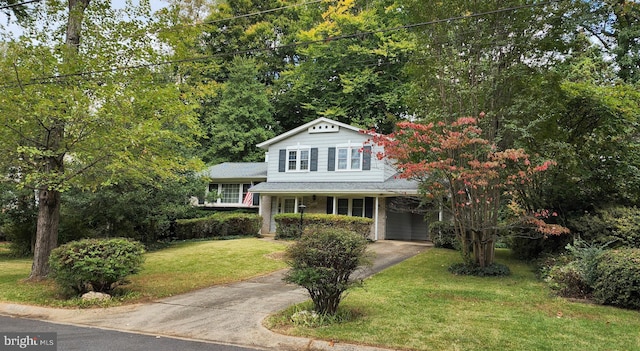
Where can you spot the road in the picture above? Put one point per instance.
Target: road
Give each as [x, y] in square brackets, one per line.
[72, 338]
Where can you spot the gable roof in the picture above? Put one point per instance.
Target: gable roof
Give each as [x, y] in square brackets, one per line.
[237, 170]
[265, 144]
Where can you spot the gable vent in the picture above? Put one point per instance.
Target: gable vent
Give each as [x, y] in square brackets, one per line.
[323, 128]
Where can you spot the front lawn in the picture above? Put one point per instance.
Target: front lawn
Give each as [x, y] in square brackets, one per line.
[177, 269]
[418, 305]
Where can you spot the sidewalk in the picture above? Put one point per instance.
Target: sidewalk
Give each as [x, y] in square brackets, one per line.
[227, 314]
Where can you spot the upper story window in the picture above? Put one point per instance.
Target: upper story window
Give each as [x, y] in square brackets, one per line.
[349, 158]
[298, 159]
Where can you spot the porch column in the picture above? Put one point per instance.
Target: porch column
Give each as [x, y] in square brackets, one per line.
[375, 223]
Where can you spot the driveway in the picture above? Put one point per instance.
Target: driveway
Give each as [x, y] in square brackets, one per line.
[231, 313]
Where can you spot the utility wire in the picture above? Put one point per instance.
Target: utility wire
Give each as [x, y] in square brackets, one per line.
[42, 80]
[18, 4]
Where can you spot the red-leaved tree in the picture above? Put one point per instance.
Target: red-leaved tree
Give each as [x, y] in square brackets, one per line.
[456, 166]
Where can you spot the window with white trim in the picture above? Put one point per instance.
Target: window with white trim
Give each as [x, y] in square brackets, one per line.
[229, 193]
[350, 207]
[298, 159]
[349, 158]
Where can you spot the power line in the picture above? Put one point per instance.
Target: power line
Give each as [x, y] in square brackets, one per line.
[18, 4]
[42, 80]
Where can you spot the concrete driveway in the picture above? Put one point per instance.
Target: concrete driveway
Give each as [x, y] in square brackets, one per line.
[231, 313]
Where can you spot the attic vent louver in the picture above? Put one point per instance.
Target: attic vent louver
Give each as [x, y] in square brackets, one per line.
[324, 128]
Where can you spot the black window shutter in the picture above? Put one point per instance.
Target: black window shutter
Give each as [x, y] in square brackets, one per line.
[314, 159]
[331, 165]
[368, 207]
[329, 204]
[366, 158]
[282, 161]
[256, 199]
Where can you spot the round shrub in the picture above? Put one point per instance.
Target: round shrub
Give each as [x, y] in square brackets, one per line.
[95, 264]
[618, 282]
[322, 262]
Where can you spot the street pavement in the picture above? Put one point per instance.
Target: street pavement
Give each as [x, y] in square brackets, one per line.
[229, 314]
[74, 338]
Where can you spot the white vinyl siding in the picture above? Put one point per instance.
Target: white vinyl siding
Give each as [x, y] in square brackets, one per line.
[323, 142]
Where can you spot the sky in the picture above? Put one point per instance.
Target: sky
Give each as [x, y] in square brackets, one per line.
[8, 26]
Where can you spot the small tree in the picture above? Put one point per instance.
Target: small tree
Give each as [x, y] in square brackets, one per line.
[322, 262]
[457, 166]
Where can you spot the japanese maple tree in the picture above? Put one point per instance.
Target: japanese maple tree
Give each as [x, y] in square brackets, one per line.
[463, 170]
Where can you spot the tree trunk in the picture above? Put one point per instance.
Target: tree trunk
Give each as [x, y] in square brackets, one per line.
[46, 232]
[49, 200]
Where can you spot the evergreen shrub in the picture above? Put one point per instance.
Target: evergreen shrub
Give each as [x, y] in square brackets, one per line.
[218, 225]
[98, 265]
[288, 224]
[323, 261]
[618, 281]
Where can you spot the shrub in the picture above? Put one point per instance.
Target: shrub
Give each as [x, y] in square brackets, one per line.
[95, 264]
[619, 225]
[219, 224]
[529, 244]
[288, 224]
[568, 281]
[492, 270]
[443, 234]
[322, 262]
[618, 281]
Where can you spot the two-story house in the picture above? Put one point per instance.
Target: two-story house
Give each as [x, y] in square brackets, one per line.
[328, 167]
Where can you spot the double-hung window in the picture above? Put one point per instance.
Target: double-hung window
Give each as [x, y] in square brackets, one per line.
[349, 158]
[298, 159]
[350, 207]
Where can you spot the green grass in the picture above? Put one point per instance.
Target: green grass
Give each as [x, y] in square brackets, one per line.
[177, 269]
[418, 305]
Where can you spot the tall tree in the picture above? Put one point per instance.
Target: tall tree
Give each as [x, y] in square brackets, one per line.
[485, 56]
[242, 119]
[71, 116]
[348, 66]
[616, 26]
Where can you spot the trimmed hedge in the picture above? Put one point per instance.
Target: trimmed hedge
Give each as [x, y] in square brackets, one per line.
[219, 224]
[98, 265]
[618, 282]
[288, 224]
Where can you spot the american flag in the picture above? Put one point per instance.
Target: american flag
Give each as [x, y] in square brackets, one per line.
[248, 199]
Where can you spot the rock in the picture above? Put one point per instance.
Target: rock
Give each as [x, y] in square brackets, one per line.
[92, 295]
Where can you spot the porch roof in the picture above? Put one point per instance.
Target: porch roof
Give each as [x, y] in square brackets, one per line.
[390, 187]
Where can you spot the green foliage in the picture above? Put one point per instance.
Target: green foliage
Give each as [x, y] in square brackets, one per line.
[242, 119]
[218, 225]
[98, 265]
[529, 245]
[142, 211]
[618, 281]
[618, 225]
[443, 234]
[18, 214]
[322, 262]
[288, 224]
[492, 270]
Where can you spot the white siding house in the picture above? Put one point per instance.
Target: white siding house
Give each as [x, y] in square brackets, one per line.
[329, 167]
